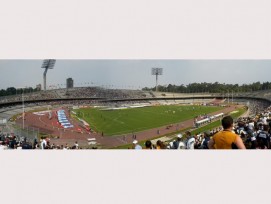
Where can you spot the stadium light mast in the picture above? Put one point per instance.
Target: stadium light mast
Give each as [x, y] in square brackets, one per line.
[47, 64]
[156, 72]
[228, 96]
[23, 105]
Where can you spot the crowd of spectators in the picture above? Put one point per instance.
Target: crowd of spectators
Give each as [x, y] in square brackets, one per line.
[182, 142]
[256, 107]
[12, 142]
[97, 92]
[254, 132]
[68, 102]
[41, 95]
[83, 92]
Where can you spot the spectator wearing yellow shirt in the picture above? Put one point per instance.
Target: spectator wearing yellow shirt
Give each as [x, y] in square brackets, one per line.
[226, 139]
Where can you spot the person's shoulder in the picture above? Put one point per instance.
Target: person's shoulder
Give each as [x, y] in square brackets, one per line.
[233, 135]
[138, 147]
[217, 134]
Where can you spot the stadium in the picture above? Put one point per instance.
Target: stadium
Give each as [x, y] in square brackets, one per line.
[96, 117]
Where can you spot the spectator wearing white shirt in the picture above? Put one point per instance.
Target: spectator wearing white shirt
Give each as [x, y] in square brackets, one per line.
[43, 144]
[190, 141]
[3, 146]
[136, 146]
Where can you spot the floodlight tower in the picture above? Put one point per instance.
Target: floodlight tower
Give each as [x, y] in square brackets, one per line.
[156, 72]
[47, 64]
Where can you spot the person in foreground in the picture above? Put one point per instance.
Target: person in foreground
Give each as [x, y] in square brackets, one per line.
[226, 139]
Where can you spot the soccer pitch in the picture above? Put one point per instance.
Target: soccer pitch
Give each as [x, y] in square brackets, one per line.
[117, 122]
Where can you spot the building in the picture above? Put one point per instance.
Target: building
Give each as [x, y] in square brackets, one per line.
[69, 83]
[38, 87]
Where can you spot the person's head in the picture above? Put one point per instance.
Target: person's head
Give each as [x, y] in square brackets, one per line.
[148, 144]
[179, 137]
[207, 134]
[135, 142]
[241, 124]
[159, 144]
[227, 122]
[188, 133]
[266, 128]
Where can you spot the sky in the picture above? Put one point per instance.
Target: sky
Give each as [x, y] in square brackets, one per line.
[132, 74]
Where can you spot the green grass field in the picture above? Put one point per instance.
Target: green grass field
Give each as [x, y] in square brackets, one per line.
[211, 126]
[117, 122]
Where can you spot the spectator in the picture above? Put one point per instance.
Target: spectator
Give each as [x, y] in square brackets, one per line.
[66, 147]
[3, 146]
[206, 140]
[254, 143]
[43, 143]
[190, 144]
[160, 145]
[12, 143]
[148, 145]
[26, 145]
[226, 139]
[76, 145]
[35, 143]
[179, 144]
[263, 138]
[136, 146]
[198, 140]
[19, 147]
